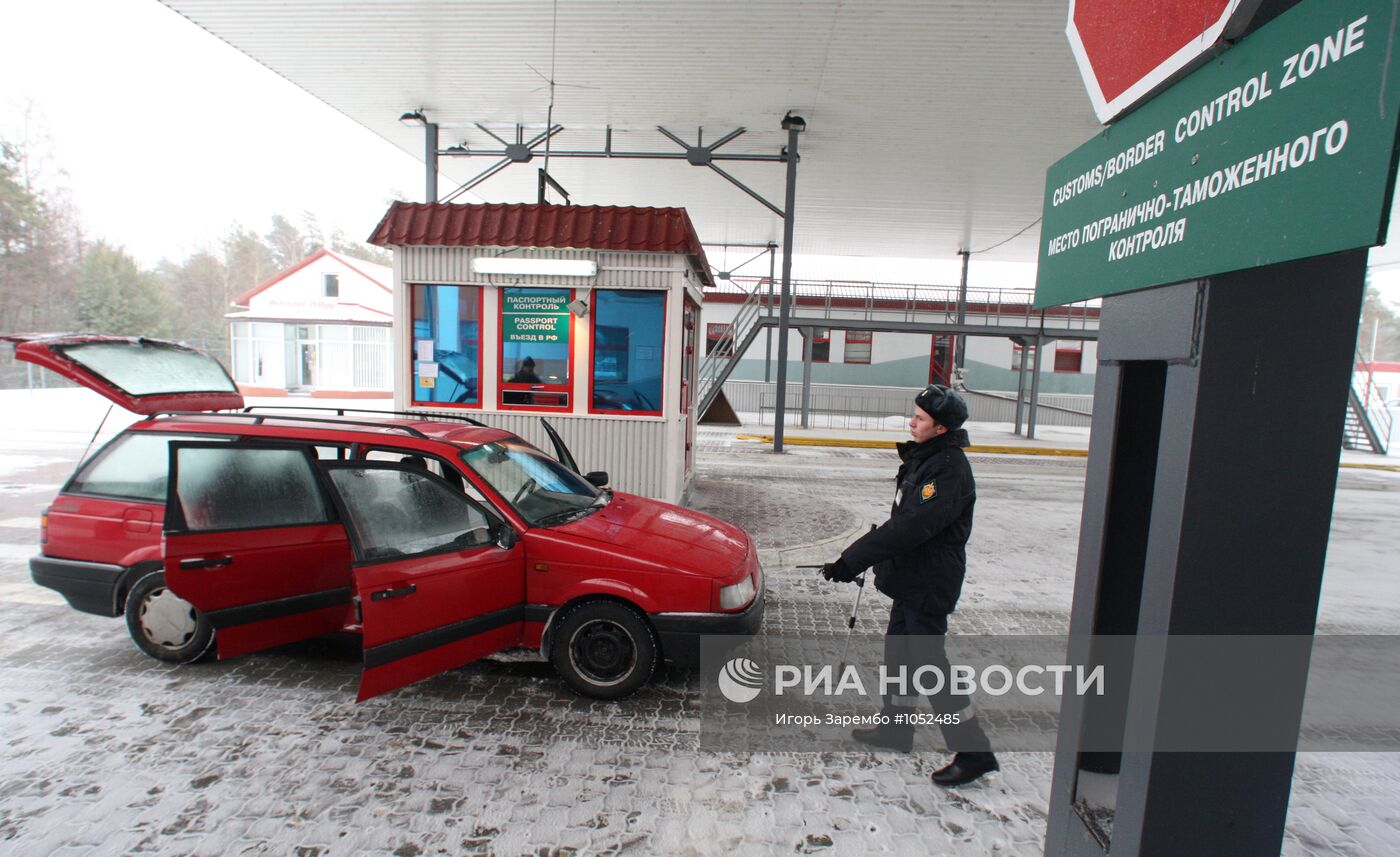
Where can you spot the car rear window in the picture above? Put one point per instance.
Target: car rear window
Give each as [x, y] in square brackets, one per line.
[134, 465]
[149, 368]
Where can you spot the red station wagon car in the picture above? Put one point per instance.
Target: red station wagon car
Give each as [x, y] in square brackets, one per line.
[438, 541]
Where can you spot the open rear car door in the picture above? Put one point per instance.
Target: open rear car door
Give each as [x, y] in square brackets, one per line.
[439, 579]
[253, 542]
[144, 376]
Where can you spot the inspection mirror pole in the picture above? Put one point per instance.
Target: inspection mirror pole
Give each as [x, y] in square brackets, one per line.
[794, 125]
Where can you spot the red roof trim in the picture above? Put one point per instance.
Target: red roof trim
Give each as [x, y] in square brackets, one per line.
[584, 227]
[1380, 366]
[242, 300]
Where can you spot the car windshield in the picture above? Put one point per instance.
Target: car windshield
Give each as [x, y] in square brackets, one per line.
[541, 489]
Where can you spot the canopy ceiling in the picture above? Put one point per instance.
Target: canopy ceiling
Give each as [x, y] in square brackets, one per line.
[930, 123]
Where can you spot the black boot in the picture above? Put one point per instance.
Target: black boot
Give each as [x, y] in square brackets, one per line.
[888, 736]
[965, 768]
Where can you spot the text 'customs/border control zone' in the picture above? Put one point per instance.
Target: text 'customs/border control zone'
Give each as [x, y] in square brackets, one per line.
[1281, 149]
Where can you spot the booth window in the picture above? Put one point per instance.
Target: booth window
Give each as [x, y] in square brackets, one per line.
[1016, 349]
[1069, 356]
[858, 346]
[330, 285]
[821, 344]
[536, 351]
[715, 338]
[445, 351]
[629, 329]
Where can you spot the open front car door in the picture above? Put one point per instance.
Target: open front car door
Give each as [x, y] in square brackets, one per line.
[439, 580]
[253, 542]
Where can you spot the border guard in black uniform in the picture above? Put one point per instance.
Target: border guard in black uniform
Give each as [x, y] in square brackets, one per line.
[920, 560]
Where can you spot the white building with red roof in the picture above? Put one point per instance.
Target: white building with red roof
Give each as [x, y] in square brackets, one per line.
[320, 328]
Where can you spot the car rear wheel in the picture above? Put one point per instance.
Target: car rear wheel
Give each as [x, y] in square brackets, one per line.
[604, 650]
[164, 625]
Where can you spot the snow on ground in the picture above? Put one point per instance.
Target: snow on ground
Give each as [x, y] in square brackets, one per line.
[109, 752]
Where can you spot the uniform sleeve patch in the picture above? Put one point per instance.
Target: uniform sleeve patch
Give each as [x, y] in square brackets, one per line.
[928, 492]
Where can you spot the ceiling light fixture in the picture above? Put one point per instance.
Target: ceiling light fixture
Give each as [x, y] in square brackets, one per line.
[535, 267]
[414, 119]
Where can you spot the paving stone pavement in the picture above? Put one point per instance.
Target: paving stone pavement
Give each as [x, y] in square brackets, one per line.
[109, 752]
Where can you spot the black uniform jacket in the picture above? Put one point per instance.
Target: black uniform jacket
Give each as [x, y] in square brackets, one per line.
[919, 554]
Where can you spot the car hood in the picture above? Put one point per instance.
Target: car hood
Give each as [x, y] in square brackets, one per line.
[666, 535]
[144, 376]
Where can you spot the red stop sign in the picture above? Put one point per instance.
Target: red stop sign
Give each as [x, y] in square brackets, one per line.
[1129, 49]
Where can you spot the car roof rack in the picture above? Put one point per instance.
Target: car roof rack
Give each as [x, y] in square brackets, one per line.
[259, 419]
[428, 416]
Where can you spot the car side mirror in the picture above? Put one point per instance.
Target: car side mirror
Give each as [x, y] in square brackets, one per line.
[598, 478]
[507, 538]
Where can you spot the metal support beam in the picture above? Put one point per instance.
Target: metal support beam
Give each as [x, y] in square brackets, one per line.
[430, 161]
[1021, 386]
[808, 333]
[514, 153]
[960, 344]
[1035, 388]
[794, 126]
[768, 349]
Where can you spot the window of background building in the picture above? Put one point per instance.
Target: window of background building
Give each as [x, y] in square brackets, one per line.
[858, 344]
[629, 329]
[257, 353]
[1069, 356]
[445, 350]
[535, 347]
[821, 344]
[714, 333]
[330, 285]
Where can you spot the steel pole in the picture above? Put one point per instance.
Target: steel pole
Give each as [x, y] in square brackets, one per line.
[430, 159]
[807, 334]
[1035, 389]
[1021, 387]
[794, 127]
[768, 311]
[960, 343]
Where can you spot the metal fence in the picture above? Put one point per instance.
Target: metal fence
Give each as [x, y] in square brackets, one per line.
[870, 408]
[849, 299]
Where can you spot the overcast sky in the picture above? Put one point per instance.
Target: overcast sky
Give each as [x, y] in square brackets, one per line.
[168, 136]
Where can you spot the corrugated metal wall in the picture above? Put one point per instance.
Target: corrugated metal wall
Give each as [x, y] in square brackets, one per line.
[633, 452]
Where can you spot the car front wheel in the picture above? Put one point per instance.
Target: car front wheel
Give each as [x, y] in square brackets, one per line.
[164, 625]
[603, 649]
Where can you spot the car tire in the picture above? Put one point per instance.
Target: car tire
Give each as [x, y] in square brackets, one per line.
[164, 625]
[604, 649]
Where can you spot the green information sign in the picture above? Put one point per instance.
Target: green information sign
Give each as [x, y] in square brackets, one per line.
[535, 315]
[1283, 148]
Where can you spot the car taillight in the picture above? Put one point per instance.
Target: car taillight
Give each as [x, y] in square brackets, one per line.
[44, 528]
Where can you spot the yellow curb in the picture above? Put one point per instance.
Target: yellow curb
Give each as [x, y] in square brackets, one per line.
[854, 443]
[1393, 468]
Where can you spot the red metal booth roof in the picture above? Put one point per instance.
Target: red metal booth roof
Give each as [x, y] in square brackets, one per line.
[584, 227]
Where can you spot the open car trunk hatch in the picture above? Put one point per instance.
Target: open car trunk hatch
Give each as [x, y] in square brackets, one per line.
[144, 376]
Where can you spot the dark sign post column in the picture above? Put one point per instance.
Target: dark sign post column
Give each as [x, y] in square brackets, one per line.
[1252, 186]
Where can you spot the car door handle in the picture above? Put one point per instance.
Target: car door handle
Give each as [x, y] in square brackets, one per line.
[386, 594]
[201, 562]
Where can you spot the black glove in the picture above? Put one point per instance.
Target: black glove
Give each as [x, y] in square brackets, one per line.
[839, 572]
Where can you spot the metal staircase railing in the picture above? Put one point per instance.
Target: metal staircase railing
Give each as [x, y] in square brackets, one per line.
[1368, 421]
[720, 362]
